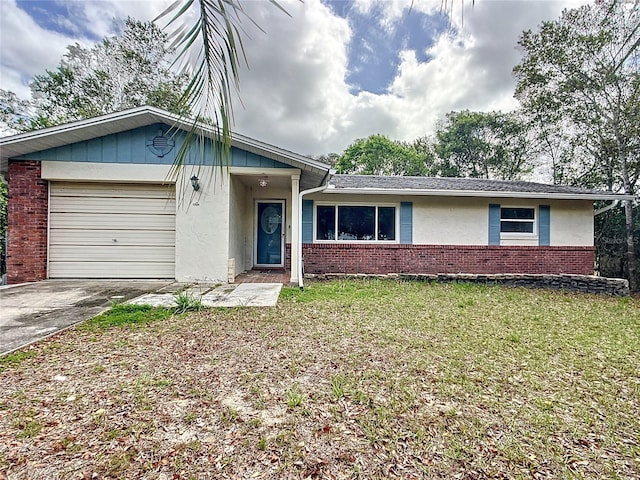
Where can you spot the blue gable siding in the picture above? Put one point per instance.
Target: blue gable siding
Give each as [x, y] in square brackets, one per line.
[131, 147]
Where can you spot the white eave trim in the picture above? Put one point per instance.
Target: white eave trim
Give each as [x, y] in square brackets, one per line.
[477, 193]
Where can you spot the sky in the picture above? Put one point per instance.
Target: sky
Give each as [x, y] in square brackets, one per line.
[326, 73]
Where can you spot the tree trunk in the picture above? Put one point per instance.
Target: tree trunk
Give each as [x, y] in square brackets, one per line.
[628, 220]
[631, 252]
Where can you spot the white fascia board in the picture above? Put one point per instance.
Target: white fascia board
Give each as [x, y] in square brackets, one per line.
[476, 193]
[69, 127]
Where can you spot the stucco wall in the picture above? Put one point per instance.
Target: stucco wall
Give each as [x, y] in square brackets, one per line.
[239, 234]
[572, 223]
[202, 226]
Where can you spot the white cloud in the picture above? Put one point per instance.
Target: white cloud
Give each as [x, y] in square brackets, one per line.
[26, 48]
[301, 101]
[294, 92]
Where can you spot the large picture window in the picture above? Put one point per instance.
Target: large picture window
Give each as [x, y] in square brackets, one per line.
[356, 223]
[517, 220]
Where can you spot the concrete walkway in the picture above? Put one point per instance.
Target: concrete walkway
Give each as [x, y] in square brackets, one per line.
[33, 311]
[243, 295]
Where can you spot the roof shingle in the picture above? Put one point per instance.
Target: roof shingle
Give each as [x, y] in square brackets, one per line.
[450, 184]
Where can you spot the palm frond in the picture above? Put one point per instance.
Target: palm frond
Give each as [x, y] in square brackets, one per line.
[210, 51]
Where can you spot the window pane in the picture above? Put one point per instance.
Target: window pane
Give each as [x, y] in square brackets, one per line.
[516, 213]
[386, 223]
[516, 227]
[356, 223]
[326, 222]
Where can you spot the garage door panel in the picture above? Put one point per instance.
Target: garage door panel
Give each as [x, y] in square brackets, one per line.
[111, 231]
[112, 270]
[99, 205]
[113, 221]
[113, 253]
[82, 237]
[115, 190]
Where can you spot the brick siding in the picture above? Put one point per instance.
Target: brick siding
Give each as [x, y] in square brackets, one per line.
[430, 259]
[287, 256]
[27, 219]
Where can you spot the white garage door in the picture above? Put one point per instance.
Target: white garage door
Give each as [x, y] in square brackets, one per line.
[111, 231]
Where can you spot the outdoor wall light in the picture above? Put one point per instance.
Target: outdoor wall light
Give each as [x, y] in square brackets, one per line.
[194, 183]
[263, 181]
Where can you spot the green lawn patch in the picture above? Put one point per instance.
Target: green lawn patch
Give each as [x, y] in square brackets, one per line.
[124, 314]
[347, 379]
[14, 359]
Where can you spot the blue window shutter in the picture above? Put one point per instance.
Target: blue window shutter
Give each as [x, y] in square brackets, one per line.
[494, 224]
[307, 221]
[544, 225]
[406, 222]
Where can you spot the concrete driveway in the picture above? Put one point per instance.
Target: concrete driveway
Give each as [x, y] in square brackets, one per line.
[33, 311]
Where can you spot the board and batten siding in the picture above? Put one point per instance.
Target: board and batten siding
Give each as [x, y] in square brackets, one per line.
[105, 230]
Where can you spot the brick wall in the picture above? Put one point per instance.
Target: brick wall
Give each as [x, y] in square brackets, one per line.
[28, 216]
[382, 259]
[287, 256]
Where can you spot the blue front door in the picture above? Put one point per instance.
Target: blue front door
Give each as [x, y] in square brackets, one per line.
[270, 235]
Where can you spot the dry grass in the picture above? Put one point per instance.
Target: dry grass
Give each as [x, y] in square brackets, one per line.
[345, 380]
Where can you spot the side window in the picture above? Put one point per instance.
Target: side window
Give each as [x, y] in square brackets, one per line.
[517, 220]
[326, 222]
[386, 223]
[352, 223]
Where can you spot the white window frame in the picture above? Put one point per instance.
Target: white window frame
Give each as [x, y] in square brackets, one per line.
[523, 235]
[357, 204]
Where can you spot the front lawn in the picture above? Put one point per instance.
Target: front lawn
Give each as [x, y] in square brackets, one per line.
[350, 379]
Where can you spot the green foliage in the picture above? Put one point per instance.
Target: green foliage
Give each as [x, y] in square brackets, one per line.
[209, 50]
[581, 75]
[378, 155]
[483, 145]
[582, 72]
[610, 242]
[122, 315]
[125, 71]
[187, 303]
[14, 113]
[294, 397]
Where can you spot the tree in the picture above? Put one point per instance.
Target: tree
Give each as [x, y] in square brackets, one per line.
[14, 113]
[582, 72]
[610, 234]
[329, 158]
[120, 72]
[483, 145]
[378, 155]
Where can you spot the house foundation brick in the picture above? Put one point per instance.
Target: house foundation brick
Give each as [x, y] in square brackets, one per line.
[27, 221]
[434, 259]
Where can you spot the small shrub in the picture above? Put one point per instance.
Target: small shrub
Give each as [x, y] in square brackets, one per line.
[294, 397]
[187, 303]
